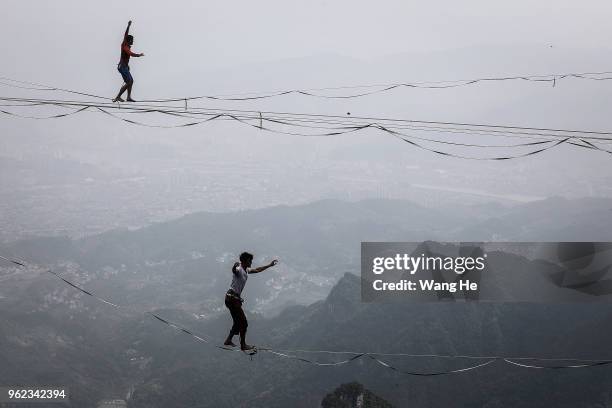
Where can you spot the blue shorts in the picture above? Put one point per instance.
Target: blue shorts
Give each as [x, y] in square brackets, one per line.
[124, 70]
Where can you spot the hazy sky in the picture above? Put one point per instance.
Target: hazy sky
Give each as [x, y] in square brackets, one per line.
[44, 38]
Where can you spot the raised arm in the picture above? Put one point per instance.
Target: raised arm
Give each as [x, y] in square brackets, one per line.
[127, 31]
[263, 268]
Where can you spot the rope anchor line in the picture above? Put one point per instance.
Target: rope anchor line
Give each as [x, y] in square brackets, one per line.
[315, 92]
[395, 127]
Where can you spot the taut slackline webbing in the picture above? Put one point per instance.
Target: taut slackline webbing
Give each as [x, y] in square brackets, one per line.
[584, 363]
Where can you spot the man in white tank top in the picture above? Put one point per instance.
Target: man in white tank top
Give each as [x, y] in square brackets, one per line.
[233, 301]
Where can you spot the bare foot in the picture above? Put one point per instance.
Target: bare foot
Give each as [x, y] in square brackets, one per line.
[229, 343]
[130, 100]
[118, 99]
[246, 347]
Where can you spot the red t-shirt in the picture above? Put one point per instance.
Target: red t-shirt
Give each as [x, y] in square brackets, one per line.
[126, 53]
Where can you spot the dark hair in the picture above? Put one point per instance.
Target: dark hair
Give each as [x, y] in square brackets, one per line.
[130, 39]
[245, 257]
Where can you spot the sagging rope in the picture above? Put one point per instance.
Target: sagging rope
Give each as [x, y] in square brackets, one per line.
[323, 118]
[553, 79]
[356, 355]
[411, 139]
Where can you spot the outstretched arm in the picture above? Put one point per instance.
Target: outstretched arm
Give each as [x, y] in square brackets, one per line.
[263, 268]
[127, 31]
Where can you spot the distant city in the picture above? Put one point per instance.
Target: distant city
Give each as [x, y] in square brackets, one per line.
[59, 196]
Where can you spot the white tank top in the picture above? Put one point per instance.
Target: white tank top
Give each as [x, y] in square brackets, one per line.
[239, 279]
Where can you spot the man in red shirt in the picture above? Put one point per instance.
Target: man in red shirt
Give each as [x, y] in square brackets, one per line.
[124, 67]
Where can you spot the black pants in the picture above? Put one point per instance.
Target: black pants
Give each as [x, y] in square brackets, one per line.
[240, 321]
